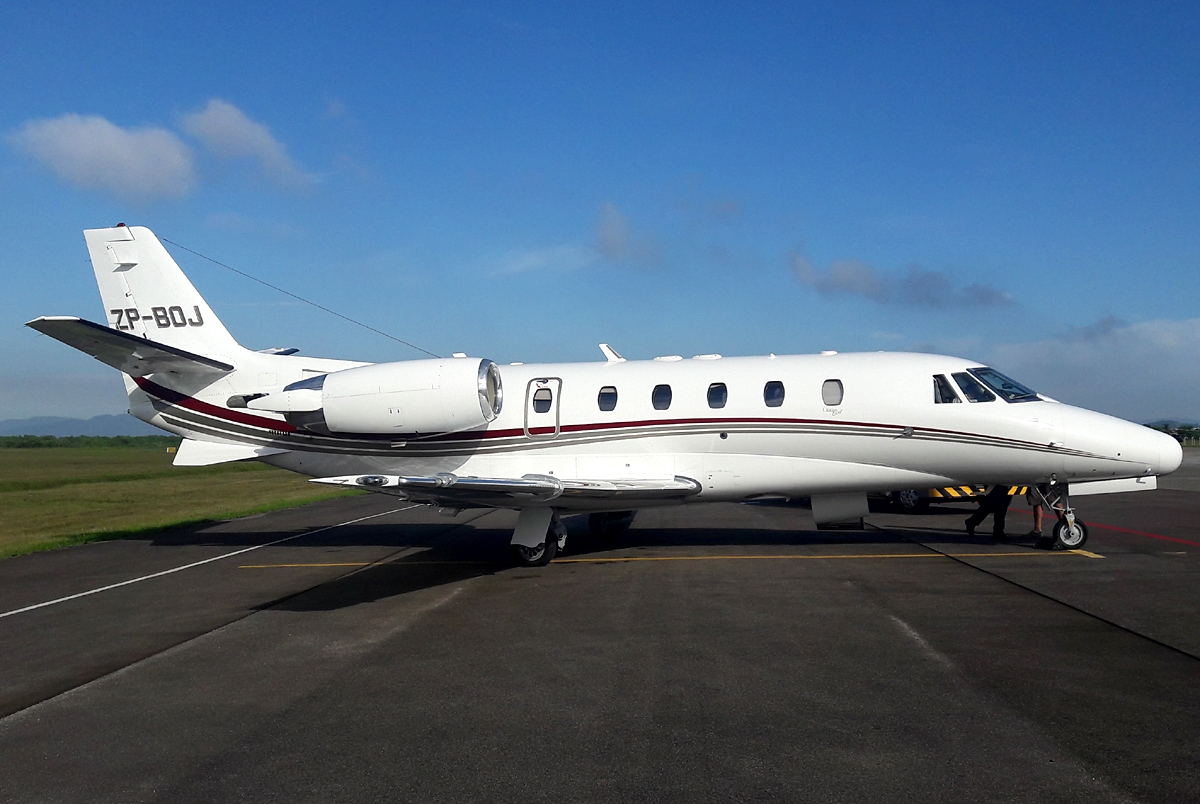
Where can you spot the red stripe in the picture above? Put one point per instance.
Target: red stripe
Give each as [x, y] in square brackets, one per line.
[191, 403]
[1147, 535]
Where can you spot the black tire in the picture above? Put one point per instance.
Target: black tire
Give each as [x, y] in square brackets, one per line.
[910, 501]
[609, 524]
[538, 556]
[1069, 538]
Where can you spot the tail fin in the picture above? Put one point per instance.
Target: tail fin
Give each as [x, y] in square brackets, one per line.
[146, 294]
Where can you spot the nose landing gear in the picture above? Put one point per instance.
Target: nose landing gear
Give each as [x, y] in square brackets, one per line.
[1069, 532]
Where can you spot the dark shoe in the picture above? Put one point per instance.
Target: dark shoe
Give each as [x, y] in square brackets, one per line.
[1033, 534]
[971, 531]
[1000, 537]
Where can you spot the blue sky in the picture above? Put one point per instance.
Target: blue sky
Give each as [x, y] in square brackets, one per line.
[1012, 184]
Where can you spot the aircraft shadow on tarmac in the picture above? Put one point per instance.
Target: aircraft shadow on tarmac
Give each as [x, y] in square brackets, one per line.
[456, 554]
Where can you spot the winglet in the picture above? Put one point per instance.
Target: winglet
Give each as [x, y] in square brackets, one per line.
[611, 354]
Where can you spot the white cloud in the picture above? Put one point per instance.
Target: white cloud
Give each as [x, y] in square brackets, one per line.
[1144, 372]
[616, 240]
[226, 131]
[554, 258]
[92, 153]
[917, 287]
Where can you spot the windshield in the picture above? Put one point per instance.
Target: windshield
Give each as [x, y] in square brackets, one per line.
[1007, 387]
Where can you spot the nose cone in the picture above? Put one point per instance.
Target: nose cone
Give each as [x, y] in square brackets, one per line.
[1170, 455]
[1115, 447]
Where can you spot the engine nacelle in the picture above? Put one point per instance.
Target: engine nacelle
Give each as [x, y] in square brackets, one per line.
[412, 396]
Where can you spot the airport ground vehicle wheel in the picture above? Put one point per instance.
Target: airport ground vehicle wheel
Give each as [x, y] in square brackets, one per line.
[608, 524]
[1071, 537]
[910, 501]
[538, 556]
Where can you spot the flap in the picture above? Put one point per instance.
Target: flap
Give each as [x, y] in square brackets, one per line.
[132, 354]
[516, 492]
[206, 453]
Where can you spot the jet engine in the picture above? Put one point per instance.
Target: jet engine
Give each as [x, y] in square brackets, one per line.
[412, 396]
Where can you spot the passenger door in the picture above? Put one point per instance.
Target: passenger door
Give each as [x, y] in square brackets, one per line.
[541, 407]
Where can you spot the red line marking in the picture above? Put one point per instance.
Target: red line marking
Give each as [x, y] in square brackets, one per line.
[1144, 533]
[1131, 532]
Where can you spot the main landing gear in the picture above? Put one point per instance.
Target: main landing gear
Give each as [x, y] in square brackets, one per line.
[543, 550]
[1069, 532]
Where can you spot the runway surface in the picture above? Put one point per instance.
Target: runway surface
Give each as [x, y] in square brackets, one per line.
[360, 649]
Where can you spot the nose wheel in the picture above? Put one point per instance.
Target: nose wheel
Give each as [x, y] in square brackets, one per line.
[1069, 532]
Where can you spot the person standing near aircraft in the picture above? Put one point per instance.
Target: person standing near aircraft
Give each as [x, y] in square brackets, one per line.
[1035, 504]
[996, 503]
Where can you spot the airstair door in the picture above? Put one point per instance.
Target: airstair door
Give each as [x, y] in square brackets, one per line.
[541, 407]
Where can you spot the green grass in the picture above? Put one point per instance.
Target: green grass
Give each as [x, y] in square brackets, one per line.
[55, 497]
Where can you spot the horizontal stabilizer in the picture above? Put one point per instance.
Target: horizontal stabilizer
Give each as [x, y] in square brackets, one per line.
[207, 453]
[132, 354]
[529, 489]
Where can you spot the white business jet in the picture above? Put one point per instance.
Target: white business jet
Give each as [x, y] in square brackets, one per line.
[605, 437]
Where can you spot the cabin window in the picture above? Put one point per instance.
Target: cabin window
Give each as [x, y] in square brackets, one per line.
[773, 394]
[831, 392]
[943, 391]
[607, 400]
[542, 399]
[972, 389]
[1007, 387]
[660, 397]
[718, 395]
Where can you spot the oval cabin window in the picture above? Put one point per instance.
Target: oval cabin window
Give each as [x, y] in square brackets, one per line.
[831, 392]
[542, 399]
[661, 397]
[607, 400]
[718, 394]
[773, 394]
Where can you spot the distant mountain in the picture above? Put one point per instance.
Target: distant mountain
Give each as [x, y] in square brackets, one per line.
[120, 425]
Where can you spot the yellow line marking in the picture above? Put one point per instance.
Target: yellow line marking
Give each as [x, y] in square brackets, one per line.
[611, 559]
[1087, 553]
[282, 566]
[1039, 553]
[360, 564]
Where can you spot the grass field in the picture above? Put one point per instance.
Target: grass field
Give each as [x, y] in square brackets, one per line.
[54, 497]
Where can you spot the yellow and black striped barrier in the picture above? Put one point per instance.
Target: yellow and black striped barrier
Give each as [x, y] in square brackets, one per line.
[965, 492]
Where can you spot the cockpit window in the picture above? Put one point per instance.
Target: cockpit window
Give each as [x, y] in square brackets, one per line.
[972, 389]
[1007, 387]
[943, 391]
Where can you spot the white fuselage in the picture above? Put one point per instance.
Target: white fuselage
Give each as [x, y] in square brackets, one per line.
[886, 433]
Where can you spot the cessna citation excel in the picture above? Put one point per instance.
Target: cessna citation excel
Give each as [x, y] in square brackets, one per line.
[605, 437]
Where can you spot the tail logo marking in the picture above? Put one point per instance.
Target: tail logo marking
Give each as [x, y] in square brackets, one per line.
[164, 317]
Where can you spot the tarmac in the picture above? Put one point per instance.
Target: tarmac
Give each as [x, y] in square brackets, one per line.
[361, 649]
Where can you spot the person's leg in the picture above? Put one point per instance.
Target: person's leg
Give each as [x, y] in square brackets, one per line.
[1037, 519]
[999, 516]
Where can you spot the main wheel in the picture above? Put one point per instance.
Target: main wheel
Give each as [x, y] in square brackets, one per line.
[538, 556]
[1071, 537]
[910, 501]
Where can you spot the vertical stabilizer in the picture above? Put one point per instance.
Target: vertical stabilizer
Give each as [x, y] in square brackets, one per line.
[146, 294]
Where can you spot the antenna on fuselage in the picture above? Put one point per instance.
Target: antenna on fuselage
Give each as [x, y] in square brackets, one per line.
[611, 354]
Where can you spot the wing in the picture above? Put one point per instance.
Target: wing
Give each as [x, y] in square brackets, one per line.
[500, 492]
[134, 355]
